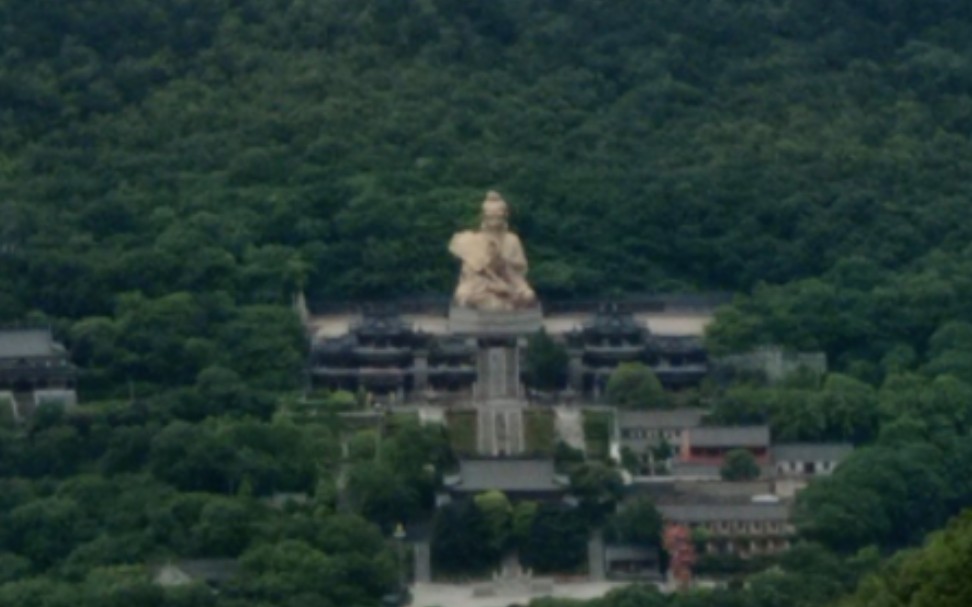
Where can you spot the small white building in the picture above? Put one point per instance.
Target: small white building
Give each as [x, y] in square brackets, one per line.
[795, 464]
[809, 459]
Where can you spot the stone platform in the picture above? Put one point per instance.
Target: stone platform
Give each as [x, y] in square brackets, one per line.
[498, 323]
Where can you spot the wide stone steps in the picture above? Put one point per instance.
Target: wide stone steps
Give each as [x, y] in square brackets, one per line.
[569, 424]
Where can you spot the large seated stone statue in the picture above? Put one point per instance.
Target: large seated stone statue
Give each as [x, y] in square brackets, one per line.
[493, 264]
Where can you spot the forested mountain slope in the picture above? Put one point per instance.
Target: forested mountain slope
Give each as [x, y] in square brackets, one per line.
[248, 146]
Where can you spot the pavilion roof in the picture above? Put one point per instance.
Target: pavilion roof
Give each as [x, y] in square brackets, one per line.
[507, 475]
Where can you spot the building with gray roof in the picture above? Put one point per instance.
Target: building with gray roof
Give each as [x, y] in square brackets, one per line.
[744, 529]
[644, 431]
[641, 429]
[517, 478]
[34, 368]
[709, 445]
[796, 464]
[632, 562]
[809, 459]
[736, 437]
[693, 514]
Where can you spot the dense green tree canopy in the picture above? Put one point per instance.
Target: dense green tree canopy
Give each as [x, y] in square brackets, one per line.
[740, 465]
[545, 363]
[253, 148]
[636, 522]
[635, 386]
[935, 575]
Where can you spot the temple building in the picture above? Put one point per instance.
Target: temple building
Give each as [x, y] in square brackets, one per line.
[385, 355]
[34, 369]
[517, 478]
[703, 449]
[416, 353]
[796, 464]
[633, 562]
[644, 432]
[742, 529]
[613, 336]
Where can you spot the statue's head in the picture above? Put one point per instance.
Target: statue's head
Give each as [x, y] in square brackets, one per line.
[495, 212]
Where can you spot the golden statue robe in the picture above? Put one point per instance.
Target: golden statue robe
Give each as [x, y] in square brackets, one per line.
[493, 275]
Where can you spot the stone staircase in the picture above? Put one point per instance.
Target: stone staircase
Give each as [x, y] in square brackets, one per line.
[498, 370]
[500, 430]
[499, 402]
[569, 424]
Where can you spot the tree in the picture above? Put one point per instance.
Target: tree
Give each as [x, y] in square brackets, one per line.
[161, 337]
[224, 528]
[46, 530]
[739, 465]
[849, 408]
[557, 541]
[293, 568]
[566, 457]
[934, 576]
[883, 496]
[194, 458]
[13, 567]
[636, 522]
[107, 550]
[381, 496]
[496, 509]
[222, 392]
[522, 520]
[38, 591]
[418, 454]
[545, 362]
[950, 351]
[635, 595]
[265, 344]
[462, 539]
[119, 586]
[598, 486]
[127, 449]
[635, 386]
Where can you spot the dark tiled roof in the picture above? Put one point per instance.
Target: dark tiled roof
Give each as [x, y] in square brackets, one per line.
[697, 469]
[507, 475]
[628, 552]
[676, 344]
[343, 343]
[704, 513]
[381, 324]
[715, 492]
[802, 452]
[612, 319]
[680, 468]
[729, 436]
[451, 346]
[676, 418]
[28, 343]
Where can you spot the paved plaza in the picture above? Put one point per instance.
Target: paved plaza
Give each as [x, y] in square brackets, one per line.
[461, 595]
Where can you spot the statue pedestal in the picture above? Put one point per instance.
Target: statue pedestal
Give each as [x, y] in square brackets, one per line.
[497, 394]
[494, 323]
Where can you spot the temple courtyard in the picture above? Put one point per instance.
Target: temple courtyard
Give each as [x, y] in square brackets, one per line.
[461, 595]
